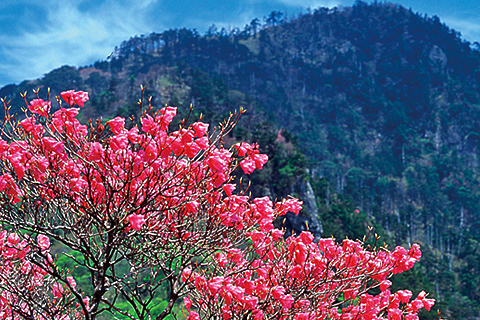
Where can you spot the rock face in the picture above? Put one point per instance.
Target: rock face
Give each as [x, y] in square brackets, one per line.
[308, 197]
[308, 220]
[297, 224]
[438, 57]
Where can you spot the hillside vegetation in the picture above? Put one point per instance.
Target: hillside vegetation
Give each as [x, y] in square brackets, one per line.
[369, 113]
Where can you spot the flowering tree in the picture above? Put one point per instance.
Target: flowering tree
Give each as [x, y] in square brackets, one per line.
[144, 209]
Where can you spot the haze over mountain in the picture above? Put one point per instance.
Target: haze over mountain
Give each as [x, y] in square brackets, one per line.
[372, 108]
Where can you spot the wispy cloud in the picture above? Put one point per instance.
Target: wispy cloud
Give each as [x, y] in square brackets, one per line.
[247, 10]
[312, 3]
[70, 36]
[468, 27]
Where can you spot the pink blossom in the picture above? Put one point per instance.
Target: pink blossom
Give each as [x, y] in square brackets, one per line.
[151, 150]
[277, 234]
[200, 128]
[229, 188]
[303, 316]
[286, 301]
[215, 284]
[119, 142]
[221, 259]
[168, 114]
[384, 285]
[191, 149]
[248, 165]
[258, 315]
[299, 252]
[404, 295]
[191, 206]
[394, 314]
[29, 125]
[260, 160]
[217, 162]
[415, 252]
[148, 124]
[187, 275]
[243, 149]
[43, 242]
[306, 237]
[71, 281]
[39, 164]
[16, 161]
[8, 185]
[136, 221]
[66, 114]
[40, 107]
[293, 205]
[187, 302]
[193, 316]
[117, 125]
[27, 267]
[278, 292]
[427, 303]
[53, 145]
[57, 290]
[203, 143]
[251, 302]
[95, 152]
[72, 97]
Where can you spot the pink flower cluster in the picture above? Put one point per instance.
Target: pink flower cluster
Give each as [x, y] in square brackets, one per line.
[124, 163]
[252, 157]
[18, 272]
[175, 187]
[303, 279]
[72, 97]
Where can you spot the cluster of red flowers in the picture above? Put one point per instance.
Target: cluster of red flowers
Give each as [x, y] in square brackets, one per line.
[298, 281]
[26, 274]
[164, 186]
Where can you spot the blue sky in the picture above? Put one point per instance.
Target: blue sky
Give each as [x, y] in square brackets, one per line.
[38, 36]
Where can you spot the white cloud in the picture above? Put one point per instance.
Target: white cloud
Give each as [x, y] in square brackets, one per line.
[313, 4]
[235, 20]
[71, 37]
[248, 10]
[469, 28]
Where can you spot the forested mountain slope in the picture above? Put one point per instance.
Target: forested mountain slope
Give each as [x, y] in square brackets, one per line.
[370, 107]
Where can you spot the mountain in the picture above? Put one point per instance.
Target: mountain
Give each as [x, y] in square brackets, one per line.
[370, 113]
